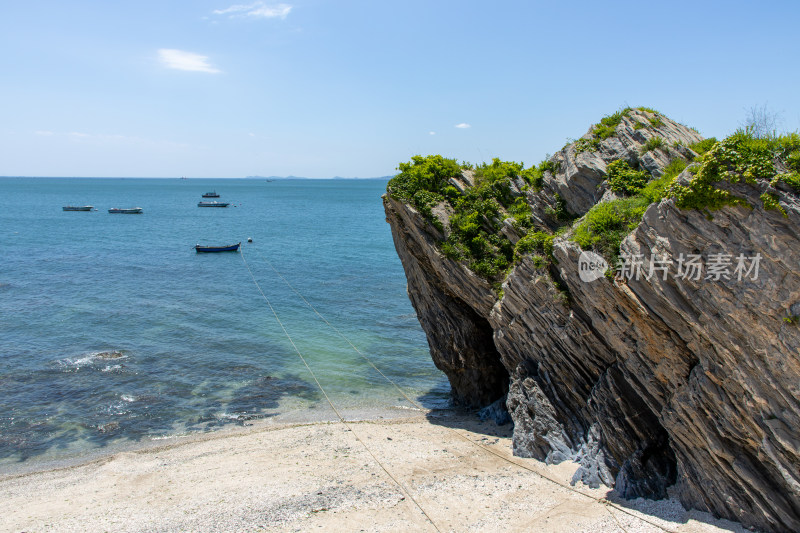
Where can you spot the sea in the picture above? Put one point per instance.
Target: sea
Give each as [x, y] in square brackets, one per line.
[115, 334]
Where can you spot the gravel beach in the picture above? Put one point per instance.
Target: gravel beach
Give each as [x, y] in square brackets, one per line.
[423, 472]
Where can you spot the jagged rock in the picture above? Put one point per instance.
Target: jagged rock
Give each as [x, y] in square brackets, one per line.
[496, 412]
[582, 170]
[647, 383]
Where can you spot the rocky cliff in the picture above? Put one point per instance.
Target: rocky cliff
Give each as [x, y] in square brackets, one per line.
[681, 371]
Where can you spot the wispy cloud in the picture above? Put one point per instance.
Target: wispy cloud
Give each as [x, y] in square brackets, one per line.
[180, 60]
[44, 133]
[431, 133]
[463, 126]
[256, 10]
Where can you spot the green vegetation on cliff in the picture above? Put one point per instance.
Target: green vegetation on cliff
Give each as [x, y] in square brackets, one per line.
[740, 158]
[476, 214]
[606, 224]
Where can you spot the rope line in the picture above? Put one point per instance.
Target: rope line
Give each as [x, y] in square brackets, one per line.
[327, 398]
[416, 405]
[334, 328]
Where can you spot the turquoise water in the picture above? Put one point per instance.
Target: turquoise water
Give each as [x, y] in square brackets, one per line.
[199, 348]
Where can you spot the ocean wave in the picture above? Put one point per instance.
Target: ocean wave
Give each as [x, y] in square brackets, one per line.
[94, 359]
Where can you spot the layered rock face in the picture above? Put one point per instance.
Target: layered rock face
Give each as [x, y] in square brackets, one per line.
[649, 381]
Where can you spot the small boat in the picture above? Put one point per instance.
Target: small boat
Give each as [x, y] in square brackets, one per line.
[125, 211]
[78, 207]
[212, 204]
[231, 248]
[212, 194]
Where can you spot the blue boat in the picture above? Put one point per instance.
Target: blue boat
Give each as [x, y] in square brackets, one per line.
[212, 204]
[231, 248]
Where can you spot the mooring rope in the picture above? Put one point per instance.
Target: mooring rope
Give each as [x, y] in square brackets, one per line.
[338, 332]
[328, 399]
[416, 405]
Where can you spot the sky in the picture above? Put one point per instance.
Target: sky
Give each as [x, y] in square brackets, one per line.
[351, 88]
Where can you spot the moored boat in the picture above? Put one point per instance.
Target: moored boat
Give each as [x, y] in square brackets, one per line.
[212, 194]
[232, 248]
[212, 204]
[125, 211]
[78, 207]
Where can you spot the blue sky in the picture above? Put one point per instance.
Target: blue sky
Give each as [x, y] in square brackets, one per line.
[321, 88]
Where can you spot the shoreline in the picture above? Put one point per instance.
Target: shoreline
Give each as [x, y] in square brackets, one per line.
[322, 414]
[289, 477]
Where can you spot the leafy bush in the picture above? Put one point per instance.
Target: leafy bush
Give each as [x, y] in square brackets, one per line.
[791, 179]
[622, 179]
[741, 157]
[701, 147]
[559, 211]
[587, 145]
[607, 223]
[608, 125]
[656, 190]
[534, 176]
[651, 144]
[422, 174]
[770, 201]
[538, 241]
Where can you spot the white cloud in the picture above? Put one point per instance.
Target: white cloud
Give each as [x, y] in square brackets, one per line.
[256, 10]
[431, 133]
[180, 60]
[463, 126]
[44, 133]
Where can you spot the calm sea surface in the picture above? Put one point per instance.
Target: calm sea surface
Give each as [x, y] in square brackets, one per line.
[199, 348]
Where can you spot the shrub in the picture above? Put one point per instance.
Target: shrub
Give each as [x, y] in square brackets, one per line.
[534, 176]
[701, 147]
[607, 223]
[608, 125]
[770, 202]
[622, 179]
[559, 211]
[422, 174]
[656, 190]
[538, 241]
[741, 157]
[652, 143]
[791, 179]
[587, 145]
